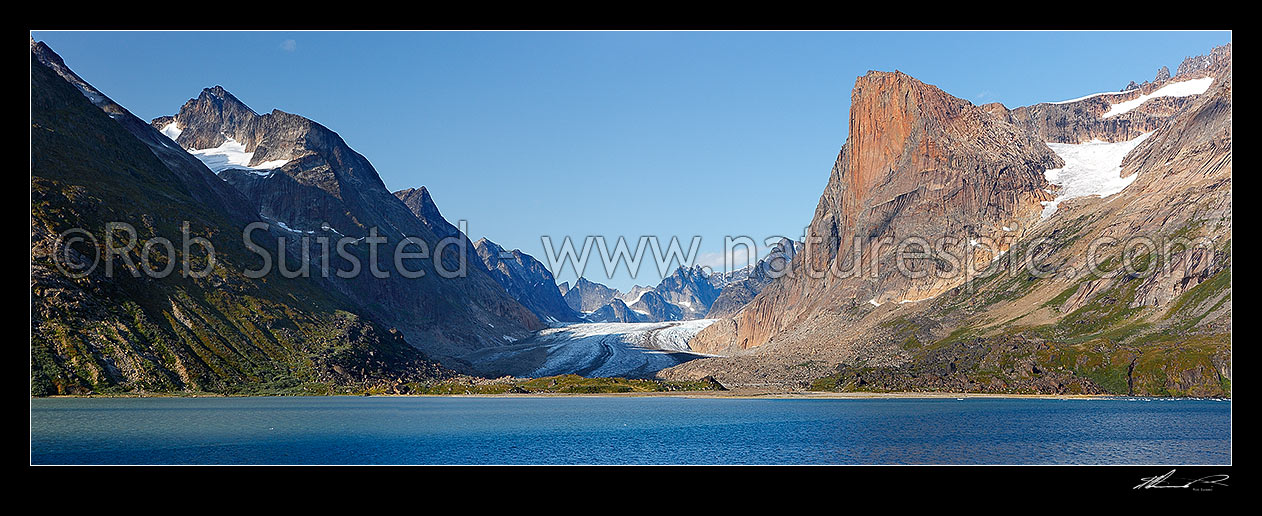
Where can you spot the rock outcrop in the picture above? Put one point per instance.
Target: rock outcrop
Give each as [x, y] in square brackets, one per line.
[421, 204]
[588, 296]
[737, 293]
[526, 280]
[653, 307]
[691, 289]
[616, 311]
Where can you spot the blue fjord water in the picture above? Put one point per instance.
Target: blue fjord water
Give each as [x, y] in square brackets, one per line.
[627, 430]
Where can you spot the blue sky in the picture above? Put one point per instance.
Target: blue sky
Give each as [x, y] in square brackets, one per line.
[525, 134]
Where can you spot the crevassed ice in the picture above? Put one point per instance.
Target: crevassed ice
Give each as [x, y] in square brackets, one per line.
[1092, 168]
[230, 154]
[1176, 89]
[609, 349]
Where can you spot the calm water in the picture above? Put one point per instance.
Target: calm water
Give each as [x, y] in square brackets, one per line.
[381, 430]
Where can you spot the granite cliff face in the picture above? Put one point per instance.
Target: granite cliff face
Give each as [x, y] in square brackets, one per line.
[1164, 330]
[526, 280]
[918, 163]
[1160, 326]
[305, 179]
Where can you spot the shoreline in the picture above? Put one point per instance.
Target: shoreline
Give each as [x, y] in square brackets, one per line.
[730, 394]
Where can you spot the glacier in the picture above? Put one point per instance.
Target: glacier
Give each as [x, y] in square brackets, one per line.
[629, 350]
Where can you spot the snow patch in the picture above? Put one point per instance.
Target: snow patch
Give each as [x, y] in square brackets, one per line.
[1088, 96]
[631, 301]
[231, 154]
[171, 131]
[1176, 89]
[1092, 168]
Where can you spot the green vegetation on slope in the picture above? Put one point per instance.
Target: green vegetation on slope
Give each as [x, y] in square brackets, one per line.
[1109, 344]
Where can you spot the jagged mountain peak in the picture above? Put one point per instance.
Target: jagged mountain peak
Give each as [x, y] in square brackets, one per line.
[1124, 115]
[586, 295]
[497, 250]
[1217, 59]
[422, 204]
[526, 280]
[419, 197]
[219, 94]
[204, 186]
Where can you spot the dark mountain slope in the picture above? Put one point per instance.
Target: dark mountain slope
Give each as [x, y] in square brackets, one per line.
[319, 186]
[226, 333]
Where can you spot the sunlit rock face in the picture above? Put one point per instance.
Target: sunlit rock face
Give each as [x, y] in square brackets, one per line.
[918, 162]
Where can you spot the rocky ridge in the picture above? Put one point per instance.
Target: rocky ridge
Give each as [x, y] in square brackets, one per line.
[322, 187]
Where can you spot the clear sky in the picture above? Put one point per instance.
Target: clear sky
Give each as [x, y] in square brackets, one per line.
[525, 134]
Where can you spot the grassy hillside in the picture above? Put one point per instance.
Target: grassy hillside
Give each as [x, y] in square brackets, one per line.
[1015, 334]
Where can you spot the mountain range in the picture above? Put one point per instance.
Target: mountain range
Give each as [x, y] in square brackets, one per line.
[923, 267]
[688, 293]
[305, 179]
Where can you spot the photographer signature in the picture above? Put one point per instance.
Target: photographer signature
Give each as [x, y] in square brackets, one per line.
[1205, 483]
